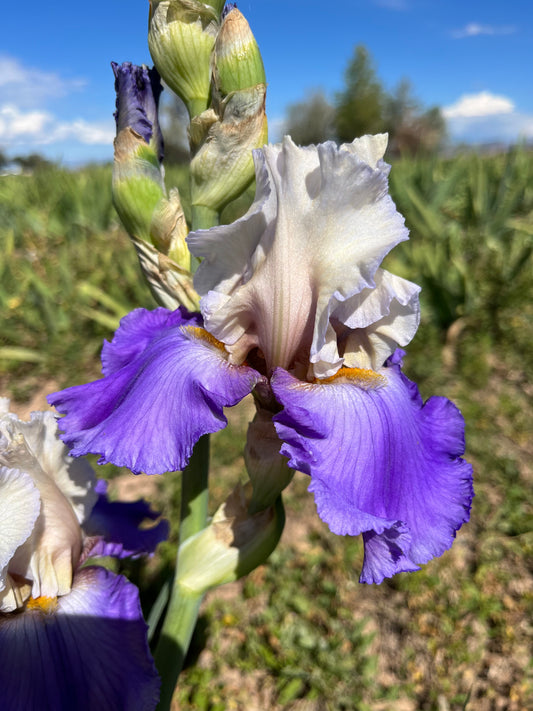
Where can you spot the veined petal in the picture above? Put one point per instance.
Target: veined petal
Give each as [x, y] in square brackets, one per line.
[20, 505]
[370, 326]
[149, 414]
[137, 330]
[84, 651]
[318, 231]
[35, 447]
[66, 491]
[381, 462]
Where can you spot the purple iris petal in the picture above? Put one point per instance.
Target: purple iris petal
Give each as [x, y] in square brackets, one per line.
[138, 90]
[89, 654]
[117, 524]
[381, 462]
[148, 414]
[137, 330]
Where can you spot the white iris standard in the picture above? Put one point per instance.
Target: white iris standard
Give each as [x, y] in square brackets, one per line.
[298, 277]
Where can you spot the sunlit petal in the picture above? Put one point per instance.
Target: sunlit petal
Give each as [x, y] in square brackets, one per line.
[380, 461]
[148, 414]
[318, 231]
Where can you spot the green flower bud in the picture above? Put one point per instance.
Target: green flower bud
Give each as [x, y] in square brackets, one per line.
[223, 167]
[156, 223]
[137, 184]
[168, 229]
[233, 544]
[181, 38]
[237, 62]
[222, 138]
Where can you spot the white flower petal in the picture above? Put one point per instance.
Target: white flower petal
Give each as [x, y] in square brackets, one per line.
[19, 509]
[319, 228]
[370, 149]
[378, 319]
[74, 477]
[66, 489]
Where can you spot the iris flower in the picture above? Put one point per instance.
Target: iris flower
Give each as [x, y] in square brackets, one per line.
[296, 308]
[66, 625]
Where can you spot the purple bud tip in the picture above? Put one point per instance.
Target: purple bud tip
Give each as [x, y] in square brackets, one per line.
[138, 90]
[228, 8]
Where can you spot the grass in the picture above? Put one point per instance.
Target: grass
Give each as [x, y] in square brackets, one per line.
[301, 632]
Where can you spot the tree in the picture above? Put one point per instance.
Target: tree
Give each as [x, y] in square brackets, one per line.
[359, 108]
[411, 130]
[32, 162]
[311, 121]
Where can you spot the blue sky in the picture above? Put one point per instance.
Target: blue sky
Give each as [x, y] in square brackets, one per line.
[473, 59]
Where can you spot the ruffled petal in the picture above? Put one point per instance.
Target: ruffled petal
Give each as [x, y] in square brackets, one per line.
[381, 462]
[88, 651]
[116, 524]
[66, 489]
[149, 414]
[35, 447]
[20, 505]
[318, 231]
[137, 330]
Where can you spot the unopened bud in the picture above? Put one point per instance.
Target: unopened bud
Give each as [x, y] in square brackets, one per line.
[223, 166]
[137, 184]
[137, 174]
[237, 62]
[181, 37]
[156, 223]
[223, 138]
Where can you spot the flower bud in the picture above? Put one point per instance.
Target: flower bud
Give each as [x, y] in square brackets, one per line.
[223, 166]
[233, 544]
[181, 37]
[222, 138]
[156, 223]
[137, 174]
[237, 62]
[138, 90]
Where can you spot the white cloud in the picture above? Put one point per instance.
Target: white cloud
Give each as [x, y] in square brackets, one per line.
[16, 125]
[473, 29]
[30, 117]
[487, 118]
[34, 128]
[85, 132]
[503, 128]
[28, 87]
[482, 104]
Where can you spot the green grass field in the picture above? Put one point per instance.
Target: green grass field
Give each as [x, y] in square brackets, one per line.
[301, 632]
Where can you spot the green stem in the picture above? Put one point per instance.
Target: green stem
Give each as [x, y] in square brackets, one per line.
[174, 642]
[194, 491]
[184, 605]
[204, 217]
[182, 612]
